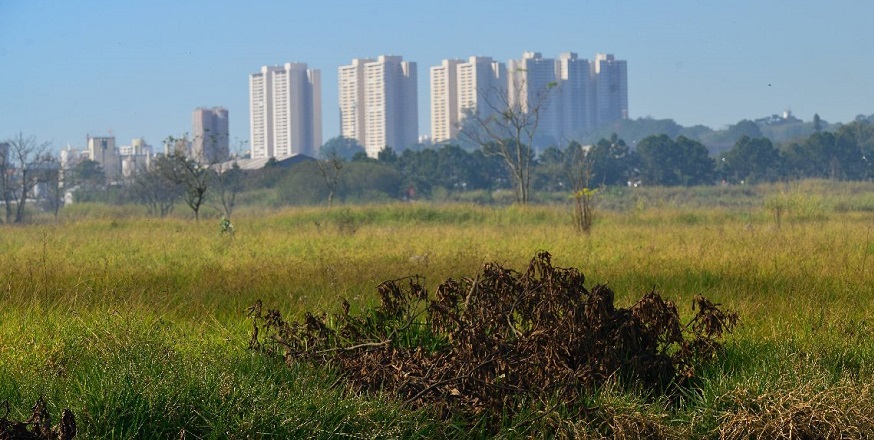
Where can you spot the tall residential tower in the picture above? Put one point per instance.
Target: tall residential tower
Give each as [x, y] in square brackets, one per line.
[379, 103]
[571, 94]
[610, 78]
[533, 86]
[573, 100]
[460, 89]
[444, 101]
[209, 131]
[285, 104]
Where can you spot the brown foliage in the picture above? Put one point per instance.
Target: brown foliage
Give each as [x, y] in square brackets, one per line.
[498, 341]
[38, 426]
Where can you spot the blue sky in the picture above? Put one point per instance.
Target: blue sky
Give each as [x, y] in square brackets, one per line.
[139, 68]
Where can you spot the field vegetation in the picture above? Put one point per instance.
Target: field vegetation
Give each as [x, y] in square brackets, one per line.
[139, 325]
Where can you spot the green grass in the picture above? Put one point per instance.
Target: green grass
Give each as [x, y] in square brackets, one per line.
[138, 324]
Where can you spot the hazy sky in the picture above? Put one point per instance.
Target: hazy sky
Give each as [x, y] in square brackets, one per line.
[139, 68]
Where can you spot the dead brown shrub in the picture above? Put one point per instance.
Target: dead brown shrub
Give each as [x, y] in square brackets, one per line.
[38, 426]
[500, 341]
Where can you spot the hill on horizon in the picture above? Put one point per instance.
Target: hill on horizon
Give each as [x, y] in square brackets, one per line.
[780, 129]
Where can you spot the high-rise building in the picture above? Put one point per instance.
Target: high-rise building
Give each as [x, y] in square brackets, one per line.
[573, 100]
[351, 93]
[579, 95]
[285, 104]
[209, 131]
[482, 86]
[444, 101]
[102, 150]
[610, 88]
[460, 89]
[378, 103]
[533, 86]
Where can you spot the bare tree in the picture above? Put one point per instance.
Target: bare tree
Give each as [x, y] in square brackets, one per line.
[194, 177]
[190, 172]
[509, 128]
[22, 162]
[228, 182]
[152, 187]
[330, 168]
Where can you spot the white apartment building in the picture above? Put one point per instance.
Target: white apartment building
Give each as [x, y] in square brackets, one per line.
[533, 85]
[482, 86]
[351, 94]
[610, 88]
[103, 151]
[209, 131]
[461, 88]
[444, 101]
[135, 157]
[382, 94]
[285, 104]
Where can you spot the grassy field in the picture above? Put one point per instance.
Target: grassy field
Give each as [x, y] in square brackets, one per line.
[139, 326]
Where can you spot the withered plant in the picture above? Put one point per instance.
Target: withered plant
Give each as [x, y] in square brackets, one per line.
[38, 426]
[501, 340]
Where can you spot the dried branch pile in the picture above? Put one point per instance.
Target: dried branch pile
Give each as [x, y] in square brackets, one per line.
[501, 340]
[38, 426]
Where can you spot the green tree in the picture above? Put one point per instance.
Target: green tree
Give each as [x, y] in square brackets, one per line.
[668, 162]
[387, 155]
[860, 133]
[752, 160]
[743, 128]
[371, 181]
[828, 155]
[611, 161]
[418, 170]
[550, 172]
[298, 185]
[342, 147]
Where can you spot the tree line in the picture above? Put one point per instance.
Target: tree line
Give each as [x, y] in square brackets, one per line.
[344, 173]
[846, 153]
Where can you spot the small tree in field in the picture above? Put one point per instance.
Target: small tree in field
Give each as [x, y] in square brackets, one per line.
[151, 186]
[228, 180]
[579, 174]
[330, 168]
[190, 172]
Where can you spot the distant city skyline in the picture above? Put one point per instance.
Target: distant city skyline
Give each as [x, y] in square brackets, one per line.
[141, 71]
